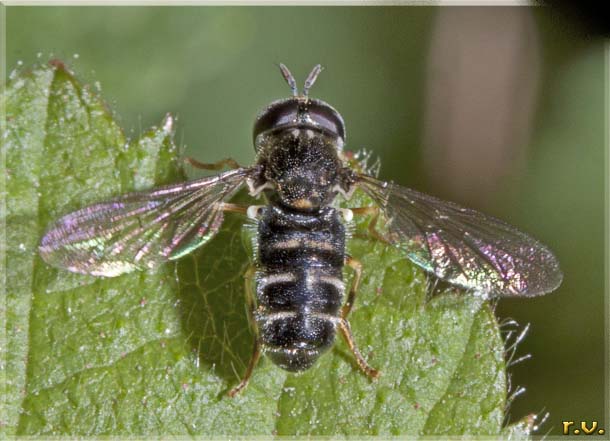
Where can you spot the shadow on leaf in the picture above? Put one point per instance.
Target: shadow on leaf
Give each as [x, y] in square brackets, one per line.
[213, 304]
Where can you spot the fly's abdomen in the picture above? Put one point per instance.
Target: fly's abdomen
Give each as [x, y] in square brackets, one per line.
[300, 286]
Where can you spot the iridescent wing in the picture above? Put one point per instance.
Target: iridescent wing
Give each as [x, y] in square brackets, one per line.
[142, 229]
[462, 246]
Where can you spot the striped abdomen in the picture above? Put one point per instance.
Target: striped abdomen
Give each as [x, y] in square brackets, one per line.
[300, 285]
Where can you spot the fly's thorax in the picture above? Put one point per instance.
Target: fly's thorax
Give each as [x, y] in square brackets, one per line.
[303, 168]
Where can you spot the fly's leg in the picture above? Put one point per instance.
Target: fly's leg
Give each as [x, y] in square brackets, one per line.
[374, 212]
[256, 353]
[351, 296]
[250, 303]
[234, 208]
[344, 325]
[227, 162]
[346, 330]
[252, 211]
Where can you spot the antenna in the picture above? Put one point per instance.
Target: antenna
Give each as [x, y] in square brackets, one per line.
[311, 78]
[289, 79]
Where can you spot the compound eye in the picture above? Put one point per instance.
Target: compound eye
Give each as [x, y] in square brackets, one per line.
[300, 112]
[277, 114]
[326, 117]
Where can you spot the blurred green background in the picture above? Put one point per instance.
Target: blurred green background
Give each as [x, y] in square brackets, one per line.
[419, 86]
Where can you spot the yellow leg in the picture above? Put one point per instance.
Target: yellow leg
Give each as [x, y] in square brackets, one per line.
[344, 325]
[234, 208]
[346, 330]
[351, 296]
[249, 289]
[227, 162]
[374, 212]
[256, 353]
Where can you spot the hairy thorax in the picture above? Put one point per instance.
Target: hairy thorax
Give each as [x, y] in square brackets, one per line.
[302, 167]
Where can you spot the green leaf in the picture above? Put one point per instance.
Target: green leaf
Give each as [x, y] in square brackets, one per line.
[155, 353]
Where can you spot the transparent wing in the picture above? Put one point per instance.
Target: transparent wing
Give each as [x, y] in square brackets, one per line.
[142, 229]
[462, 246]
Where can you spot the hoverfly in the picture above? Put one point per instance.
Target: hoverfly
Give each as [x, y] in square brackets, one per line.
[299, 301]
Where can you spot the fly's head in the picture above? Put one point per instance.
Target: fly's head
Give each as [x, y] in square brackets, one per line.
[298, 112]
[298, 140]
